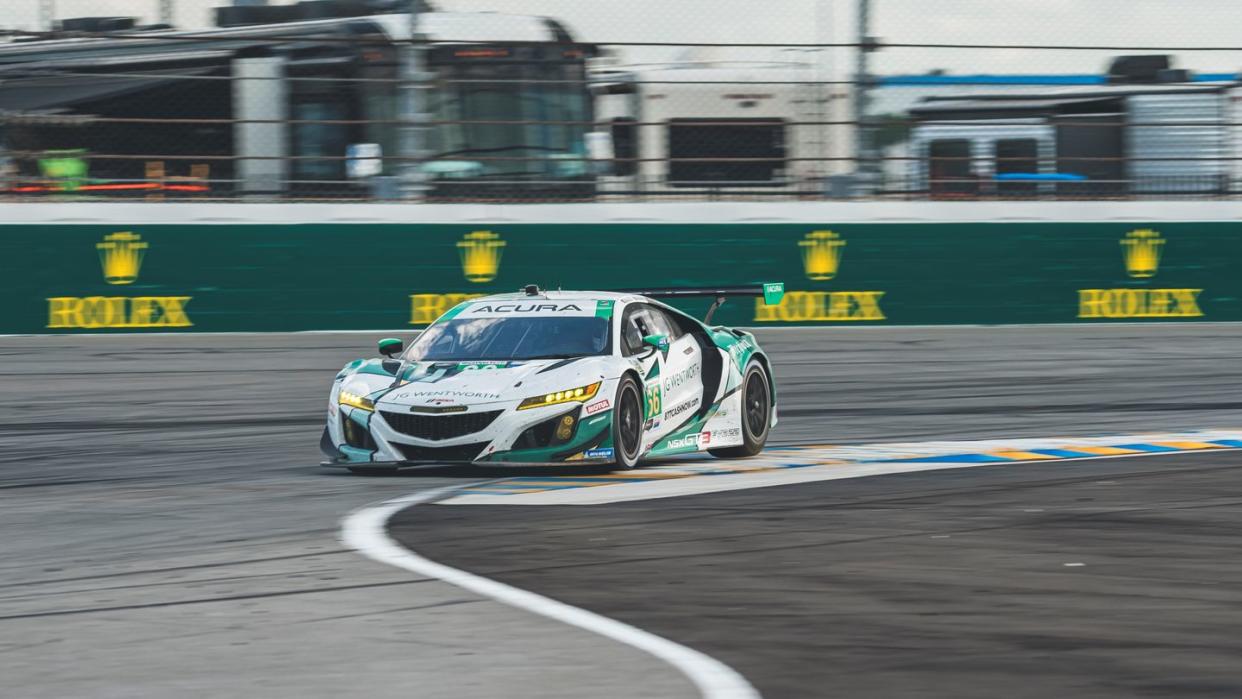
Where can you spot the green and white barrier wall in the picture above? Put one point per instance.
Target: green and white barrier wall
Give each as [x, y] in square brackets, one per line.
[86, 267]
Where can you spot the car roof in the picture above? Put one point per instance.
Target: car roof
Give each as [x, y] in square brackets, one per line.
[560, 295]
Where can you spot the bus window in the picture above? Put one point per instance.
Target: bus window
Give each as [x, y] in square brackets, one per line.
[327, 141]
[379, 108]
[565, 105]
[757, 147]
[468, 96]
[534, 128]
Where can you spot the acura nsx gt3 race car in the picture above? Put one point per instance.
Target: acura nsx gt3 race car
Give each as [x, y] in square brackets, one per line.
[548, 377]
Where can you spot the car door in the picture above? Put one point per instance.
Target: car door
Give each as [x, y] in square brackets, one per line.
[672, 381]
[636, 324]
[682, 379]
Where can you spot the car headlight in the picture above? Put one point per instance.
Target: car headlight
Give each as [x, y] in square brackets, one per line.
[355, 400]
[582, 393]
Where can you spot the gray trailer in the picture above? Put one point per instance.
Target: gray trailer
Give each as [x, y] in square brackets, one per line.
[1145, 139]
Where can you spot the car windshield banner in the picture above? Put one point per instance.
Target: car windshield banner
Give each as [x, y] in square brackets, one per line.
[529, 309]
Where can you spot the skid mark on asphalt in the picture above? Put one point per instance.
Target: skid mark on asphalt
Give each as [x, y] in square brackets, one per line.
[802, 464]
[200, 600]
[171, 569]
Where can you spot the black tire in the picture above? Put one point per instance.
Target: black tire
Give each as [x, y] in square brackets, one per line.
[372, 471]
[756, 415]
[627, 424]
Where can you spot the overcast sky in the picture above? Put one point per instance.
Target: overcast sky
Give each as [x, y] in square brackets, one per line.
[1077, 22]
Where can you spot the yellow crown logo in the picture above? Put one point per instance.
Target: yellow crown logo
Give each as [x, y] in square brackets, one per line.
[821, 254]
[1141, 250]
[480, 255]
[121, 256]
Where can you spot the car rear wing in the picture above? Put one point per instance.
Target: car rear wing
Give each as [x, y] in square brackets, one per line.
[772, 293]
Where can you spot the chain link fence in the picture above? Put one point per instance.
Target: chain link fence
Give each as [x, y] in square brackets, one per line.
[560, 100]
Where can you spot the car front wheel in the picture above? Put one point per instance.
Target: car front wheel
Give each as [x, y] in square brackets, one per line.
[627, 424]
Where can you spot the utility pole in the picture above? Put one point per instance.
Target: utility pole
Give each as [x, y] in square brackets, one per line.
[866, 162]
[47, 15]
[411, 103]
[166, 12]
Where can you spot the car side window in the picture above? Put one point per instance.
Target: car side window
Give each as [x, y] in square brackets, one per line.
[633, 329]
[641, 321]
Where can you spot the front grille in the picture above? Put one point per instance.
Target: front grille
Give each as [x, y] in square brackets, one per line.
[438, 427]
[464, 452]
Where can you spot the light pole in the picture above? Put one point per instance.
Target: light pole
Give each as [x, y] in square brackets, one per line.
[864, 148]
[411, 102]
[47, 15]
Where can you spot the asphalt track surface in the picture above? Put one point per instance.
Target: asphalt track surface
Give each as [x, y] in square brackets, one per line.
[1103, 578]
[167, 529]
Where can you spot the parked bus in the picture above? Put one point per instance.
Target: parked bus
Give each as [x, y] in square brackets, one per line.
[298, 106]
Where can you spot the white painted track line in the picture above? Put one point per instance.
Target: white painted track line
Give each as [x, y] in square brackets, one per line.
[365, 530]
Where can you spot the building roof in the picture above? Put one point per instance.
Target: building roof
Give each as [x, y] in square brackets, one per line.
[1052, 100]
[1050, 104]
[448, 27]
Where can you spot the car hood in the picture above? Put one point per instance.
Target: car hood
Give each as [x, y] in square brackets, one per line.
[446, 384]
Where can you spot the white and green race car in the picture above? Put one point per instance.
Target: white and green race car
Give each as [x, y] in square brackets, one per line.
[549, 377]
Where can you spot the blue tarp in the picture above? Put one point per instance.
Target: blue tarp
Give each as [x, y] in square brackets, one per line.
[1041, 177]
[1035, 79]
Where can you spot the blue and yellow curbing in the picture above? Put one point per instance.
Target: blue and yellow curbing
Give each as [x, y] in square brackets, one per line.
[795, 457]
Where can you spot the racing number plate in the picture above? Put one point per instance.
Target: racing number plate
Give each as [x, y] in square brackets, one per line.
[653, 401]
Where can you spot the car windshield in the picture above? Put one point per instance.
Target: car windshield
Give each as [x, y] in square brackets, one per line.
[510, 339]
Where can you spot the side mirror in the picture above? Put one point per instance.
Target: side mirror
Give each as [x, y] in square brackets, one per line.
[390, 346]
[657, 342]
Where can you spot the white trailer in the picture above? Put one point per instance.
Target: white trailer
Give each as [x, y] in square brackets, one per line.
[722, 127]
